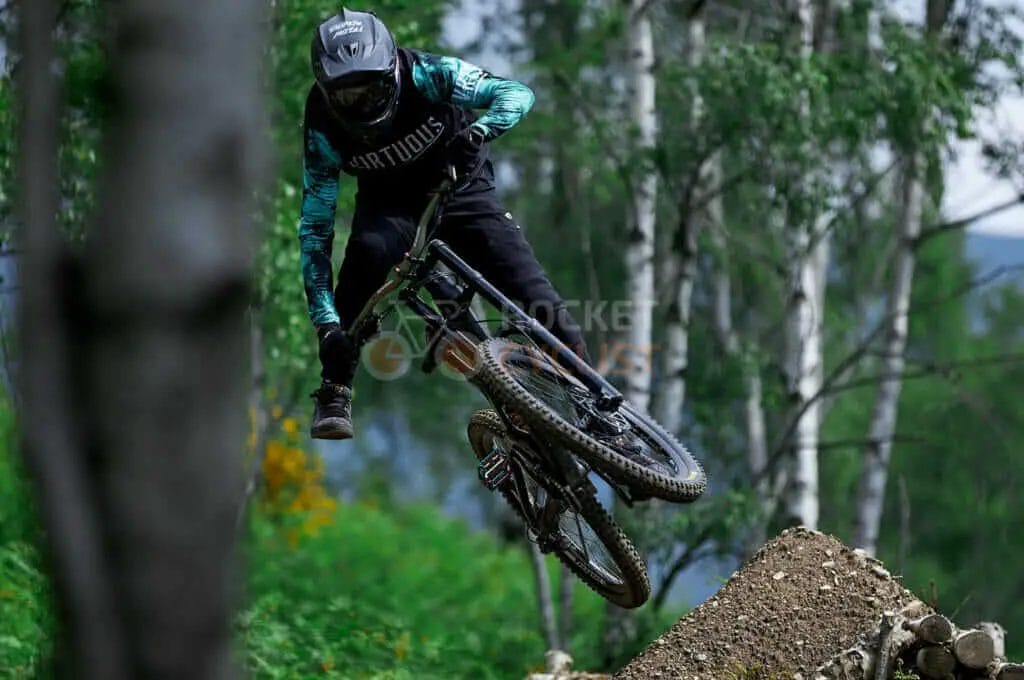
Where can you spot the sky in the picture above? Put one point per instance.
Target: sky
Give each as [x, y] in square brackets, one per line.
[969, 188]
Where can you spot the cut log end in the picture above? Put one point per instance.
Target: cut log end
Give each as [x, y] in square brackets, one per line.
[935, 662]
[998, 635]
[1008, 671]
[934, 628]
[974, 649]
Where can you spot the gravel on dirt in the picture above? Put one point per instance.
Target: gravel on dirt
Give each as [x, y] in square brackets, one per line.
[802, 598]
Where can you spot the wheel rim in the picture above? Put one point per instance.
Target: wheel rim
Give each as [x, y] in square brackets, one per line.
[567, 398]
[638, 447]
[574, 533]
[539, 378]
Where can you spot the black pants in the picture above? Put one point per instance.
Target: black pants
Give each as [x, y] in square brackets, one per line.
[478, 229]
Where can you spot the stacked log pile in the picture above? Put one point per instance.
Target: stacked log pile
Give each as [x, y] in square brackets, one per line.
[922, 644]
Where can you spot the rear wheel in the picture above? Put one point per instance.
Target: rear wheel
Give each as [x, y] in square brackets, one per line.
[627, 446]
[586, 540]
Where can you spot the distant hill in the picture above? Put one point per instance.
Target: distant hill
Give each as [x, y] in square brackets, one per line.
[989, 252]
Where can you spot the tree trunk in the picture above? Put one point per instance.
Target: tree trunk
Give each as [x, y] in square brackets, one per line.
[90, 641]
[875, 461]
[672, 396]
[620, 625]
[545, 601]
[807, 251]
[643, 197]
[566, 583]
[135, 373]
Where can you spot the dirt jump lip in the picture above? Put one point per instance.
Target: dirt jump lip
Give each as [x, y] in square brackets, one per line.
[801, 598]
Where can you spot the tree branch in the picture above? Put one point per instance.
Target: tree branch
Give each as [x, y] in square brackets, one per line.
[930, 369]
[622, 168]
[690, 555]
[965, 222]
[858, 443]
[864, 349]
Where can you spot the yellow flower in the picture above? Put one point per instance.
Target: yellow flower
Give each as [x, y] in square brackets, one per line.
[402, 645]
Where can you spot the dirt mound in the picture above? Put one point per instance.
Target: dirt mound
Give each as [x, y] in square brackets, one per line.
[802, 597]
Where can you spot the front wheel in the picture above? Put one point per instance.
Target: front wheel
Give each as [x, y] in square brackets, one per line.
[625, 445]
[586, 540]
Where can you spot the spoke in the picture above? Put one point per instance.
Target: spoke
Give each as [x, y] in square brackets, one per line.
[579, 528]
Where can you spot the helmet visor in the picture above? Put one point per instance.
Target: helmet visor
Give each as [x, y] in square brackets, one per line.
[363, 102]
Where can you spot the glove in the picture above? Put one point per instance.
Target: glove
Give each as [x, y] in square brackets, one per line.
[464, 150]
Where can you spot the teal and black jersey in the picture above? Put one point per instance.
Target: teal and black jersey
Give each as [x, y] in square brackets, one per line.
[399, 163]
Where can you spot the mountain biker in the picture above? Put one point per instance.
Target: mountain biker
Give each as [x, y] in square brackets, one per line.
[395, 119]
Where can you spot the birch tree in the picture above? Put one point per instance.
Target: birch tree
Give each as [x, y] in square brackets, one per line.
[878, 452]
[643, 202]
[807, 245]
[134, 349]
[682, 259]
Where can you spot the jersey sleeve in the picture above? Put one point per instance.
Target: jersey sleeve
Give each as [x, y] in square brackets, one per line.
[320, 169]
[448, 79]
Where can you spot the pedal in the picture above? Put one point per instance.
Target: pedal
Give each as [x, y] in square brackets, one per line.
[494, 469]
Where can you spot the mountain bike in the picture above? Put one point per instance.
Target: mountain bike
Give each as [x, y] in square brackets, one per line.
[555, 424]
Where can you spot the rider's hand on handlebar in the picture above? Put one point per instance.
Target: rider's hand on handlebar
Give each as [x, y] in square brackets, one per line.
[464, 148]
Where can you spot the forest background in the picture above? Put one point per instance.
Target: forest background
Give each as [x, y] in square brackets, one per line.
[792, 231]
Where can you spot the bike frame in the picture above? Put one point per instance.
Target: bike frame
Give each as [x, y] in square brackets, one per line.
[418, 267]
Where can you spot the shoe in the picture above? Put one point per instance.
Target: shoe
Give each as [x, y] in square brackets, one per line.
[332, 412]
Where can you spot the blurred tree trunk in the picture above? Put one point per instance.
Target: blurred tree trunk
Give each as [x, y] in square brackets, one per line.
[682, 259]
[555, 27]
[135, 370]
[807, 247]
[566, 583]
[545, 601]
[877, 454]
[643, 198]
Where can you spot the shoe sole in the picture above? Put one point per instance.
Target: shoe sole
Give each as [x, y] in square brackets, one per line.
[331, 431]
[330, 434]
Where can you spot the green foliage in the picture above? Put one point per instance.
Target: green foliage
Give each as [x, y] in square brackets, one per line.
[26, 625]
[389, 593]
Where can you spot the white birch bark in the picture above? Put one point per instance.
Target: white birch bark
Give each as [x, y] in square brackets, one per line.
[683, 255]
[640, 250]
[807, 251]
[876, 457]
